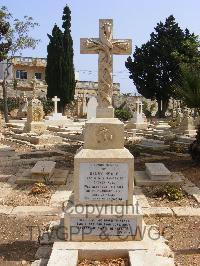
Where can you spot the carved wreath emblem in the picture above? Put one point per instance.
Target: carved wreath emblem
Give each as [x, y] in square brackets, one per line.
[104, 135]
[37, 115]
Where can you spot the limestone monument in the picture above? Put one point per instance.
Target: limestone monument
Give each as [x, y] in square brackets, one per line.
[56, 115]
[92, 108]
[138, 121]
[187, 126]
[105, 46]
[23, 105]
[104, 168]
[35, 115]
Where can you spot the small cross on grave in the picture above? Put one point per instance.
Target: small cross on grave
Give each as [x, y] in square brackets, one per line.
[55, 100]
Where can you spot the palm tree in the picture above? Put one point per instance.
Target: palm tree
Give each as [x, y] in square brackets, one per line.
[188, 90]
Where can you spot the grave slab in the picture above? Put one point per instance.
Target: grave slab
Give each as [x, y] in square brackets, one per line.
[58, 177]
[157, 171]
[142, 179]
[43, 169]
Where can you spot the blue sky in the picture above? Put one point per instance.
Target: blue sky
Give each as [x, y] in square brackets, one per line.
[132, 19]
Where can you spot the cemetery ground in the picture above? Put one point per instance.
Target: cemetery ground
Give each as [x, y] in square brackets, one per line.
[22, 210]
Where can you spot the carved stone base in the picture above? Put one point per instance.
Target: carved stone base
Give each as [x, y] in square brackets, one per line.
[104, 133]
[105, 112]
[103, 177]
[114, 223]
[35, 127]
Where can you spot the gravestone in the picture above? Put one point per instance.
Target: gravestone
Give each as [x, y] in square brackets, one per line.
[187, 124]
[138, 121]
[157, 174]
[23, 105]
[57, 119]
[56, 115]
[35, 115]
[92, 108]
[157, 171]
[103, 168]
[43, 172]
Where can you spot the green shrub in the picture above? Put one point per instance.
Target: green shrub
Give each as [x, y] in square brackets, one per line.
[173, 193]
[169, 192]
[133, 148]
[48, 105]
[178, 148]
[123, 114]
[13, 103]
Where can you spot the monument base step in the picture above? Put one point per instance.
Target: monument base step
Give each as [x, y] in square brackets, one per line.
[152, 250]
[142, 179]
[103, 223]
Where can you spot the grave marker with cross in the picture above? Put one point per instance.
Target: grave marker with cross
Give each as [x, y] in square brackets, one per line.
[105, 46]
[55, 100]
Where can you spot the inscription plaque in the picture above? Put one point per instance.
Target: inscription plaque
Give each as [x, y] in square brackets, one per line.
[103, 226]
[103, 181]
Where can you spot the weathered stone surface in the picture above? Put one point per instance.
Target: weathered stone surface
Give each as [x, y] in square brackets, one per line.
[157, 171]
[44, 168]
[60, 197]
[157, 211]
[104, 133]
[145, 258]
[121, 222]
[6, 151]
[43, 252]
[141, 198]
[58, 177]
[58, 257]
[42, 262]
[142, 179]
[186, 211]
[105, 46]
[5, 209]
[192, 190]
[35, 210]
[103, 157]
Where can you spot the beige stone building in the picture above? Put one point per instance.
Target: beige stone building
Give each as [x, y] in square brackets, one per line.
[25, 69]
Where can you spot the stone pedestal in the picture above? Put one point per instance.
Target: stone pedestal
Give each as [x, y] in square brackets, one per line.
[105, 112]
[103, 179]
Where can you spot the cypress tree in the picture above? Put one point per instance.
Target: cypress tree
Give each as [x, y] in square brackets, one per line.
[60, 75]
[67, 65]
[54, 63]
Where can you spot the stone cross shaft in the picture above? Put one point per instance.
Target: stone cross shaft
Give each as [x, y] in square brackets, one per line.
[105, 46]
[55, 100]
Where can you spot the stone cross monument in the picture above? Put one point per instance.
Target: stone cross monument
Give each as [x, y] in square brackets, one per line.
[103, 167]
[105, 46]
[55, 100]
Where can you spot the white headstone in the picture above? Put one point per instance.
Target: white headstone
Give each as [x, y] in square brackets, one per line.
[91, 108]
[55, 100]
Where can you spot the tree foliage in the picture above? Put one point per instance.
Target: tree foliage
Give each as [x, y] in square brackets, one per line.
[60, 62]
[187, 88]
[4, 28]
[155, 66]
[54, 63]
[17, 35]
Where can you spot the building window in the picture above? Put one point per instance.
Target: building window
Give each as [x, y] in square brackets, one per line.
[38, 75]
[21, 74]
